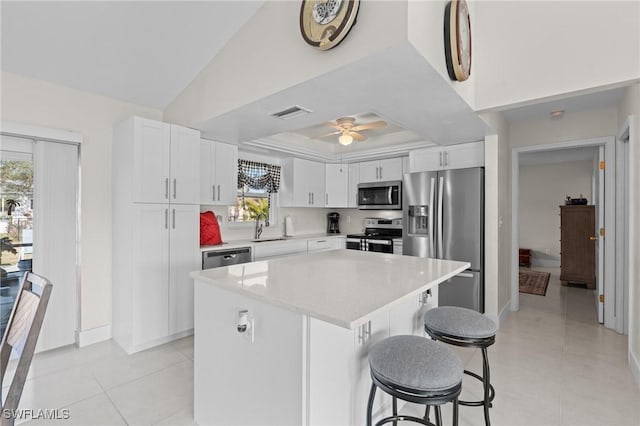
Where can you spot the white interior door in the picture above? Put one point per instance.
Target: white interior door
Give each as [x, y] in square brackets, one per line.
[599, 199]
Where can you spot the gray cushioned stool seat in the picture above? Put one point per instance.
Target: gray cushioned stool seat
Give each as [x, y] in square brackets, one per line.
[416, 362]
[462, 322]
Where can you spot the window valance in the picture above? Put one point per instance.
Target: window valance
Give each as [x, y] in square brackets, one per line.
[260, 176]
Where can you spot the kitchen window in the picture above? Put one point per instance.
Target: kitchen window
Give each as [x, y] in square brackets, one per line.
[256, 183]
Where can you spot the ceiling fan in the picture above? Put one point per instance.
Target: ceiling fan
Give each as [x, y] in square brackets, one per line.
[348, 131]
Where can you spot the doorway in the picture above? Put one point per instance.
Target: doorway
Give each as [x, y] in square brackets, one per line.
[607, 244]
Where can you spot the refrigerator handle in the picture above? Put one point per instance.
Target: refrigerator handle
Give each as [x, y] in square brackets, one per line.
[432, 248]
[440, 207]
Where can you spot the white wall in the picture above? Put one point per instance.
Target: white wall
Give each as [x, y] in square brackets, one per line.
[278, 58]
[498, 215]
[582, 125]
[630, 105]
[29, 101]
[425, 32]
[543, 189]
[546, 48]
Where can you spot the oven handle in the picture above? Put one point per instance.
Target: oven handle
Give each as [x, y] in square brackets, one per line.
[383, 242]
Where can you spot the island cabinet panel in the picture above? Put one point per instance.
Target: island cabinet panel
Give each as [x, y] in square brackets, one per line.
[240, 382]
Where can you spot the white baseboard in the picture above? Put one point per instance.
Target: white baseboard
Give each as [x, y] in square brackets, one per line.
[94, 335]
[634, 363]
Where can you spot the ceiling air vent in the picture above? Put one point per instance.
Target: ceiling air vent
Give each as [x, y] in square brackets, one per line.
[294, 111]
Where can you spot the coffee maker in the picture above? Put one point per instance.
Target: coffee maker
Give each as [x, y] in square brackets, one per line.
[333, 220]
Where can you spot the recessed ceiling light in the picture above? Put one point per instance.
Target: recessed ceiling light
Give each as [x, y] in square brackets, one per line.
[557, 114]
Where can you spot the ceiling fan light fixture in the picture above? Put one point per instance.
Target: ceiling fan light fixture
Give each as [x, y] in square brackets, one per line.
[345, 139]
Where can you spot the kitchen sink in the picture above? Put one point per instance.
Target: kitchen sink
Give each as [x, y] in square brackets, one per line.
[268, 239]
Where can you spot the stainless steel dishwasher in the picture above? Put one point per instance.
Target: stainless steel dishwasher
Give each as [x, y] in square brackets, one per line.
[218, 258]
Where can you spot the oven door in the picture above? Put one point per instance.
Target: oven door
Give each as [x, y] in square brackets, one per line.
[379, 246]
[354, 244]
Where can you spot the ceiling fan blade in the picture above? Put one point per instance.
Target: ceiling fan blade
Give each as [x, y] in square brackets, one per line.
[332, 124]
[328, 134]
[358, 136]
[372, 125]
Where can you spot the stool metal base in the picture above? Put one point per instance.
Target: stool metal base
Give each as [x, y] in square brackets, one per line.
[426, 398]
[482, 343]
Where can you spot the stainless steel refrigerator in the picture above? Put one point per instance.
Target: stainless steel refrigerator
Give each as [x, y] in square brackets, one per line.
[443, 217]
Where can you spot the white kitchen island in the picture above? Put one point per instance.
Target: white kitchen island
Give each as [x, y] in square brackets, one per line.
[312, 320]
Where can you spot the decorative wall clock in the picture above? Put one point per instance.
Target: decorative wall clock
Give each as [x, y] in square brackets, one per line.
[457, 40]
[325, 23]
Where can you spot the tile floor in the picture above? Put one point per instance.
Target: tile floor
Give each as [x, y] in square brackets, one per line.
[552, 364]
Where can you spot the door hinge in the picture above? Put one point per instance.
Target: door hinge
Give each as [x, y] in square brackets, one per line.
[602, 165]
[601, 298]
[602, 232]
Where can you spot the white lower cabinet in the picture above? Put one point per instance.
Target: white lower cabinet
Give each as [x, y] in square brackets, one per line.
[267, 250]
[325, 244]
[184, 258]
[152, 290]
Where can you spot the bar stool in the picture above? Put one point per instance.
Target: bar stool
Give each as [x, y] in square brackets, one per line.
[418, 370]
[470, 329]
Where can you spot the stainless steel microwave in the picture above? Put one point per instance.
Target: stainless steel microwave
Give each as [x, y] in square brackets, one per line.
[380, 195]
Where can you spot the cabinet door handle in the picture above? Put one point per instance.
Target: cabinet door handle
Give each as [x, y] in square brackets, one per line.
[173, 219]
[166, 188]
[313, 200]
[174, 188]
[308, 198]
[361, 334]
[446, 158]
[213, 190]
[440, 158]
[326, 199]
[380, 172]
[367, 331]
[166, 218]
[218, 192]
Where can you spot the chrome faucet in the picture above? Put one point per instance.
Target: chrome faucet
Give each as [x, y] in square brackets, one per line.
[258, 231]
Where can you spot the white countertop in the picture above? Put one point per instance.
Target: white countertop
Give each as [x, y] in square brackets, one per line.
[342, 287]
[266, 240]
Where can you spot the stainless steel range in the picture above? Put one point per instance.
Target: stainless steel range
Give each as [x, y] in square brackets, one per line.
[380, 235]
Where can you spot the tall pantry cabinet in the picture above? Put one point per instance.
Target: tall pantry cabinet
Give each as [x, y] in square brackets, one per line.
[155, 231]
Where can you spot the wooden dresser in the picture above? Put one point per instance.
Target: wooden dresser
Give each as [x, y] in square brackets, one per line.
[578, 245]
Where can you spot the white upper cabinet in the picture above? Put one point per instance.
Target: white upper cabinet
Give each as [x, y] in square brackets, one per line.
[354, 180]
[165, 161]
[185, 167]
[459, 156]
[218, 173]
[381, 170]
[302, 183]
[337, 185]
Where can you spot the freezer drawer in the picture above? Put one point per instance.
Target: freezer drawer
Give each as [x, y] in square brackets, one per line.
[464, 290]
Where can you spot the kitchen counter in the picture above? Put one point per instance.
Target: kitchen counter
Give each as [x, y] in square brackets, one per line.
[342, 287]
[267, 240]
[290, 337]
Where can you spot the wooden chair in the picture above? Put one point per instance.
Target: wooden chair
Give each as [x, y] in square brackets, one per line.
[21, 336]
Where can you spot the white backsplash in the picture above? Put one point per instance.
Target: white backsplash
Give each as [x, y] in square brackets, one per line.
[305, 221]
